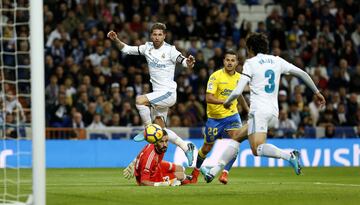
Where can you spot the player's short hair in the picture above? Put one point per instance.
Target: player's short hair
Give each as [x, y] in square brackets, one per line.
[258, 43]
[231, 52]
[159, 26]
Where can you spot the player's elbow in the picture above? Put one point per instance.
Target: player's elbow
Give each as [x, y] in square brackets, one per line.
[209, 97]
[145, 183]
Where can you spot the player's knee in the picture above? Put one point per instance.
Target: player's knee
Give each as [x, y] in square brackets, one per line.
[205, 149]
[254, 151]
[256, 148]
[159, 120]
[140, 100]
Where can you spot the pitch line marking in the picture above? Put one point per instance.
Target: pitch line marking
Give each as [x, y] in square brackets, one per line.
[336, 184]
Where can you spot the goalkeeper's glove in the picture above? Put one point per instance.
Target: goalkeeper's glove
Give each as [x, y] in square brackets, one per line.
[175, 182]
[129, 170]
[166, 183]
[171, 182]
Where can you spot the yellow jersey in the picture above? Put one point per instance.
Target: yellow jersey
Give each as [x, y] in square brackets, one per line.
[221, 84]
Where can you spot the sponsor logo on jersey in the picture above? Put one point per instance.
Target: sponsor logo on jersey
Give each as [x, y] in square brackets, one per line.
[226, 92]
[153, 62]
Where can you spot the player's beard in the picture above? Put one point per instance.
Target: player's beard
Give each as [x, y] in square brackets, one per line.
[163, 149]
[229, 69]
[157, 44]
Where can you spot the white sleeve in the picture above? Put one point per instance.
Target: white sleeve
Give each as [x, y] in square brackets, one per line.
[246, 70]
[239, 89]
[134, 50]
[177, 57]
[288, 68]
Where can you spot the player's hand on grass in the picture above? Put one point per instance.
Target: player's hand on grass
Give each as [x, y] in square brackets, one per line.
[129, 171]
[112, 35]
[320, 100]
[190, 61]
[175, 182]
[166, 183]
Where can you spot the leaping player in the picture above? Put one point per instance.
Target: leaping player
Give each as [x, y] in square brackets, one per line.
[161, 58]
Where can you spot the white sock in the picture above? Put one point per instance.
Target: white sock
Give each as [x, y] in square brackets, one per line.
[175, 139]
[144, 112]
[230, 152]
[269, 150]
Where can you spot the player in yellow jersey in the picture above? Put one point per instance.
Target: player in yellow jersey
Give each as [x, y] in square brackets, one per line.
[221, 122]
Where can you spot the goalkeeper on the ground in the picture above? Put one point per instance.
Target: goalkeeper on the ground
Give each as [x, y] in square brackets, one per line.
[150, 169]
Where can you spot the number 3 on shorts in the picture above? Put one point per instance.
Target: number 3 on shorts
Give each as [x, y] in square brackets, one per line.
[269, 88]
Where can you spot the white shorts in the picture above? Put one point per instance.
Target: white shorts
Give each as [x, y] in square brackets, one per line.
[160, 102]
[260, 122]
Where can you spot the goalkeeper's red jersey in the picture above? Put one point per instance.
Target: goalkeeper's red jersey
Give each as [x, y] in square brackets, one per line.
[149, 166]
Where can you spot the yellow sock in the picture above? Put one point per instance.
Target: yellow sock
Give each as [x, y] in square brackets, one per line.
[201, 154]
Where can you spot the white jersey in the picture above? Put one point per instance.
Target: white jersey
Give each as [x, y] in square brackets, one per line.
[161, 63]
[264, 72]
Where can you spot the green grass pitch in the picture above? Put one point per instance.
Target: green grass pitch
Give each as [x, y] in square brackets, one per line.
[261, 186]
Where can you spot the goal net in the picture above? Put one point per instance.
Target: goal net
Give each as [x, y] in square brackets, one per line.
[17, 164]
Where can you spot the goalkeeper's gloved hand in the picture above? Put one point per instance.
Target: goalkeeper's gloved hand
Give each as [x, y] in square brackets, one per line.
[175, 182]
[165, 183]
[129, 171]
[168, 182]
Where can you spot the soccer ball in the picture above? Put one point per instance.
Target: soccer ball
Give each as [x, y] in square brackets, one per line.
[153, 133]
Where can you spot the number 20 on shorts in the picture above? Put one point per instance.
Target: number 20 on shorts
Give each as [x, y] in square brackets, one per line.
[212, 131]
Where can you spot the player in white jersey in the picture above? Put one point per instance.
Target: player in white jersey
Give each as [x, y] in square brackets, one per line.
[263, 73]
[162, 58]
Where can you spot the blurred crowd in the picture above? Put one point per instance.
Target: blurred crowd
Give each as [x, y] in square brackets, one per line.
[90, 83]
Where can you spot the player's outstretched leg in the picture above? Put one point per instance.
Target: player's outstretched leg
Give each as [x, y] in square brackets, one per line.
[195, 174]
[223, 178]
[144, 112]
[295, 161]
[230, 153]
[188, 148]
[187, 180]
[139, 137]
[205, 171]
[190, 153]
[201, 156]
[269, 150]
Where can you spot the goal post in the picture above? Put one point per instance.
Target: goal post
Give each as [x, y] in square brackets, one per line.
[22, 142]
[37, 100]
